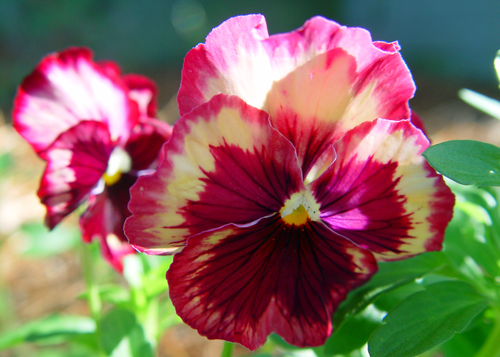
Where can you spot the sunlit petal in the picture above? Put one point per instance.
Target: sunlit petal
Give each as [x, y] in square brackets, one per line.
[316, 82]
[231, 61]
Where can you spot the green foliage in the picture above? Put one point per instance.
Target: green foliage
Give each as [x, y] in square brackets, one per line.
[427, 319]
[123, 336]
[467, 162]
[55, 328]
[389, 277]
[44, 243]
[353, 333]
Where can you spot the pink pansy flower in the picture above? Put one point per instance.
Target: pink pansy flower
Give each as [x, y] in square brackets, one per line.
[293, 170]
[95, 129]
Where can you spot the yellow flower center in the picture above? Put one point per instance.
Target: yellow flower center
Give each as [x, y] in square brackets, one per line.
[119, 163]
[298, 217]
[111, 180]
[300, 208]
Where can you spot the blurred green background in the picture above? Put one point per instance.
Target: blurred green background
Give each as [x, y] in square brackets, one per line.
[447, 44]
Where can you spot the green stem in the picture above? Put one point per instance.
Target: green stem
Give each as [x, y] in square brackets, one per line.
[227, 351]
[93, 294]
[491, 348]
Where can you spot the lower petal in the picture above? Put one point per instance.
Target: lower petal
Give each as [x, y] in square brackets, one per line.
[104, 218]
[242, 283]
[76, 162]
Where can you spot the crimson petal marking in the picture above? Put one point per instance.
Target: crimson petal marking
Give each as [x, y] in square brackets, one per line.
[381, 194]
[104, 218]
[241, 284]
[66, 88]
[224, 163]
[75, 163]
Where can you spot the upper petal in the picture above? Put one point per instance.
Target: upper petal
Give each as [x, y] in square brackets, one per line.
[144, 92]
[241, 284]
[66, 88]
[381, 194]
[231, 61]
[224, 163]
[76, 162]
[316, 82]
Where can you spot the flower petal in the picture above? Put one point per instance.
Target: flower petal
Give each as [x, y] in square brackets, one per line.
[241, 284]
[224, 163]
[66, 88]
[144, 92]
[75, 163]
[231, 61]
[104, 218]
[381, 194]
[316, 82]
[145, 143]
[315, 104]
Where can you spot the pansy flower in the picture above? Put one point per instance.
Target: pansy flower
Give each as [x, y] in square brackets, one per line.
[294, 168]
[95, 128]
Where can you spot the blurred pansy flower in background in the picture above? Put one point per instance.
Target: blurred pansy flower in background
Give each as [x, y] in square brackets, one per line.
[97, 132]
[294, 168]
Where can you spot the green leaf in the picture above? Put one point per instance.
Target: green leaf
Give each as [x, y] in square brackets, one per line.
[123, 336]
[112, 293]
[468, 243]
[467, 162]
[282, 343]
[48, 328]
[354, 333]
[481, 102]
[427, 319]
[390, 276]
[469, 342]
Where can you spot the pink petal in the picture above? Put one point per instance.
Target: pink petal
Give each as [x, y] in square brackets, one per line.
[104, 218]
[241, 284]
[316, 82]
[65, 89]
[224, 163]
[231, 61]
[75, 163]
[144, 92]
[381, 194]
